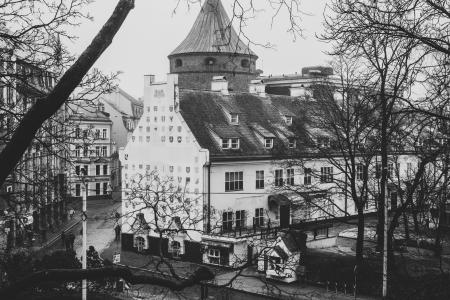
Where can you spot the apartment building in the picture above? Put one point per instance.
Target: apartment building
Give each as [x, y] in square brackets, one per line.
[90, 152]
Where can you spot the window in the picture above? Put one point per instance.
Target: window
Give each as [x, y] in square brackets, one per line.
[178, 63]
[97, 134]
[259, 217]
[240, 219]
[97, 188]
[97, 169]
[307, 178]
[288, 120]
[214, 256]
[390, 170]
[77, 132]
[259, 179]
[245, 63]
[77, 170]
[104, 151]
[230, 143]
[227, 221]
[279, 177]
[175, 248]
[378, 170]
[85, 151]
[268, 143]
[105, 169]
[292, 143]
[155, 108]
[105, 188]
[326, 174]
[234, 119]
[139, 243]
[360, 172]
[85, 170]
[408, 169]
[77, 151]
[77, 190]
[104, 133]
[323, 142]
[290, 176]
[97, 151]
[234, 181]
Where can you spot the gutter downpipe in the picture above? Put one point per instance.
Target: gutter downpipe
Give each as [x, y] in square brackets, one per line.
[208, 225]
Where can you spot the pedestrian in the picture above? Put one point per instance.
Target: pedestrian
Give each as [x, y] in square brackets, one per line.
[117, 229]
[63, 237]
[72, 240]
[67, 243]
[71, 213]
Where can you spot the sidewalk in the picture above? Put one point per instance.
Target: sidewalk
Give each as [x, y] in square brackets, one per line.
[249, 282]
[54, 236]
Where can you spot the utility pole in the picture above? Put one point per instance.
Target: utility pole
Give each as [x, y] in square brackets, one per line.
[385, 239]
[84, 219]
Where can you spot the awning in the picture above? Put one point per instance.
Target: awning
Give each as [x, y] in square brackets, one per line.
[278, 200]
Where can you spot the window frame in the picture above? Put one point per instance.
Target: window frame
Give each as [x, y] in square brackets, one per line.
[240, 219]
[259, 181]
[234, 181]
[227, 221]
[307, 176]
[259, 217]
[268, 143]
[326, 175]
[279, 179]
[290, 179]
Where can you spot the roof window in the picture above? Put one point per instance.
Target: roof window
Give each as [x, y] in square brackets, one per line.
[231, 143]
[268, 143]
[234, 118]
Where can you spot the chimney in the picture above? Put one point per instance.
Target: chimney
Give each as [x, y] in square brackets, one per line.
[149, 79]
[258, 87]
[219, 84]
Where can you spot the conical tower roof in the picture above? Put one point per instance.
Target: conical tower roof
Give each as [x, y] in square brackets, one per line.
[212, 32]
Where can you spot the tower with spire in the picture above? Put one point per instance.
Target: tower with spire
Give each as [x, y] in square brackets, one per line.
[213, 48]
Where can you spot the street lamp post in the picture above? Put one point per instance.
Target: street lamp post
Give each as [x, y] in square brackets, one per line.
[84, 219]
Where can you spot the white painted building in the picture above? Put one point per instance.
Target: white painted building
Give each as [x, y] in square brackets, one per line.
[229, 153]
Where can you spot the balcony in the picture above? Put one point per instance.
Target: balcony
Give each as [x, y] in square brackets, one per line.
[268, 228]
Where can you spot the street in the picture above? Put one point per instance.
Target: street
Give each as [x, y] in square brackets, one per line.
[100, 227]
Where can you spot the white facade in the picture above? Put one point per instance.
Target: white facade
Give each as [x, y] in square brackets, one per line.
[162, 144]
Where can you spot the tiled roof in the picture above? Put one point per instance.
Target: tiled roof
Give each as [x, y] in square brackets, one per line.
[212, 32]
[204, 113]
[83, 112]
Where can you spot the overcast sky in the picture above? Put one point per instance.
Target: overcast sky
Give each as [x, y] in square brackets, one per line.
[152, 31]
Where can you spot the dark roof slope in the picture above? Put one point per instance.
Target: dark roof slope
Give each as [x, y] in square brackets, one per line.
[205, 115]
[212, 32]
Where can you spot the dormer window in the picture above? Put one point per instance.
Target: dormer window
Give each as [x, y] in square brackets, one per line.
[292, 143]
[323, 142]
[232, 143]
[234, 119]
[178, 63]
[268, 143]
[288, 120]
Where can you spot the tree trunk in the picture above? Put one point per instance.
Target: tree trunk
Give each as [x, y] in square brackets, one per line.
[360, 237]
[47, 106]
